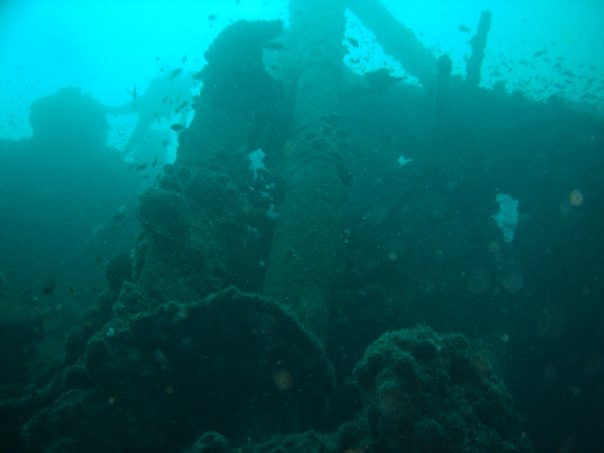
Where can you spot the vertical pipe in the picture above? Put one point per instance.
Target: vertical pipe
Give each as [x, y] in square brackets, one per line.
[302, 262]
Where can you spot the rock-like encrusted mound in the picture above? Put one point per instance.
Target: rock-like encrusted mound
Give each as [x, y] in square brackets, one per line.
[232, 363]
[427, 392]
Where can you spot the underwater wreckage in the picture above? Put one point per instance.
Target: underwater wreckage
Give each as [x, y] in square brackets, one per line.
[220, 335]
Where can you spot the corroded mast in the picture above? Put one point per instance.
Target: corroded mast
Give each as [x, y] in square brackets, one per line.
[302, 262]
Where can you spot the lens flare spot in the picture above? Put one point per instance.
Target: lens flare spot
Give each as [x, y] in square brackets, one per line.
[575, 198]
[283, 380]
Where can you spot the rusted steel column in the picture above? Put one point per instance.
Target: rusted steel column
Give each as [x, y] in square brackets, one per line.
[301, 267]
[397, 40]
[478, 43]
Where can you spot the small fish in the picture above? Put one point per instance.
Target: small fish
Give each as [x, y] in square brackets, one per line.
[141, 167]
[212, 17]
[353, 42]
[49, 288]
[154, 163]
[133, 94]
[198, 76]
[273, 45]
[175, 73]
[184, 59]
[181, 106]
[177, 127]
[539, 53]
[462, 28]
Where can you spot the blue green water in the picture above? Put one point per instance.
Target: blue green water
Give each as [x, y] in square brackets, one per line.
[138, 182]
